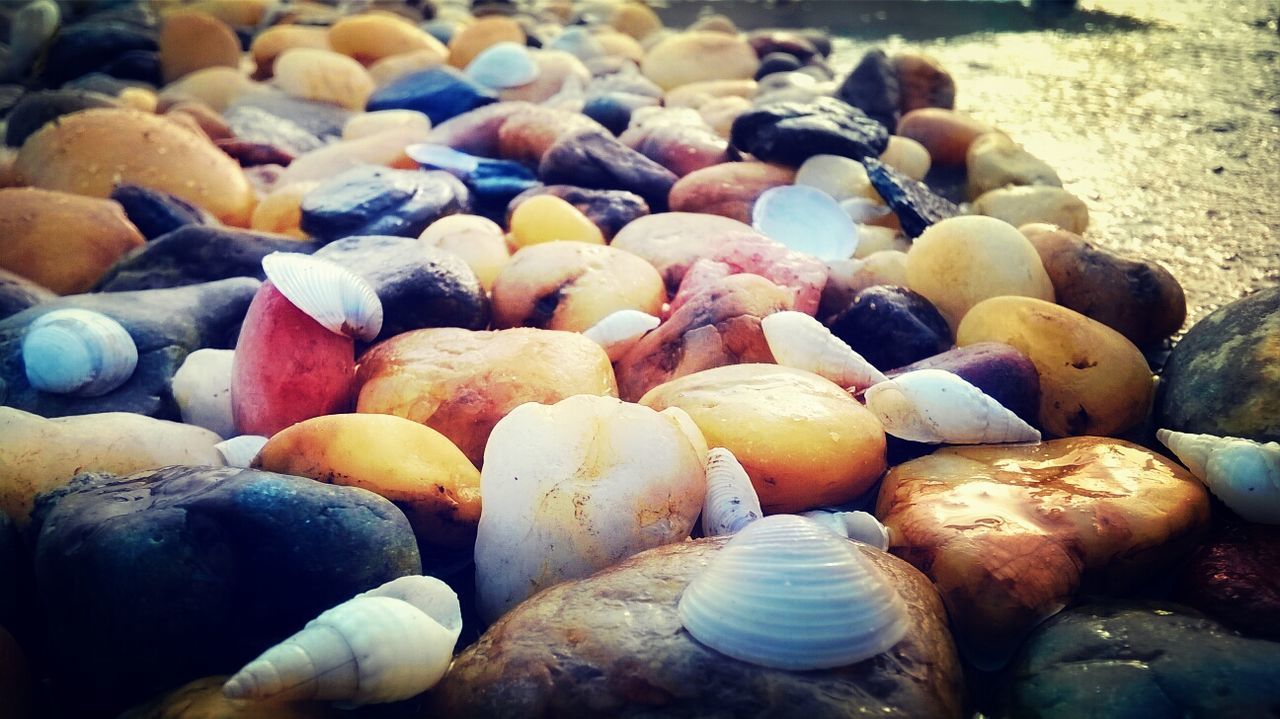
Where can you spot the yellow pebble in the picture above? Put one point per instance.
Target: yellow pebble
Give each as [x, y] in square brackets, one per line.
[281, 211]
[477, 240]
[547, 218]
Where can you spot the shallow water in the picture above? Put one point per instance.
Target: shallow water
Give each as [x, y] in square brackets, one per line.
[1163, 115]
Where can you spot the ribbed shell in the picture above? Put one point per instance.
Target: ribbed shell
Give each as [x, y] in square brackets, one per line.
[240, 451]
[788, 594]
[340, 300]
[78, 352]
[938, 407]
[801, 342]
[731, 502]
[618, 332]
[858, 526]
[1242, 473]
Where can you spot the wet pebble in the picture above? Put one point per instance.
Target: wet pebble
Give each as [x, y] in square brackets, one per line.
[608, 210]
[156, 213]
[321, 119]
[35, 109]
[547, 218]
[440, 93]
[82, 48]
[892, 326]
[529, 131]
[369, 200]
[479, 241]
[253, 124]
[493, 183]
[597, 160]
[792, 132]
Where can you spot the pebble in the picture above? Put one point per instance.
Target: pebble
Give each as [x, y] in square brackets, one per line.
[995, 161]
[846, 278]
[791, 132]
[907, 156]
[777, 62]
[530, 131]
[324, 76]
[806, 220]
[480, 35]
[460, 383]
[698, 55]
[272, 42]
[217, 87]
[202, 391]
[90, 152]
[767, 42]
[682, 144]
[872, 86]
[503, 65]
[839, 177]
[373, 37]
[616, 45]
[192, 40]
[386, 149]
[18, 293]
[722, 112]
[833, 457]
[32, 27]
[729, 189]
[192, 254]
[961, 261]
[577, 41]
[1007, 533]
[561, 78]
[320, 119]
[596, 160]
[608, 210]
[1220, 378]
[203, 699]
[1093, 381]
[1019, 206]
[36, 109]
[696, 94]
[923, 82]
[368, 200]
[635, 19]
[547, 218]
[280, 211]
[477, 240]
[946, 134]
[372, 123]
[82, 48]
[614, 110]
[440, 93]
[915, 206]
[891, 326]
[62, 241]
[492, 183]
[1229, 578]
[394, 67]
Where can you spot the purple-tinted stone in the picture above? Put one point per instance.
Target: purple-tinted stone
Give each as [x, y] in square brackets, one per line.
[597, 160]
[997, 369]
[892, 326]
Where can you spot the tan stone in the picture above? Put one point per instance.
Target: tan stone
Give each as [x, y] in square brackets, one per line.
[695, 56]
[193, 40]
[483, 33]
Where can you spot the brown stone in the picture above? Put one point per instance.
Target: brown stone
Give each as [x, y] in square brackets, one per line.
[923, 83]
[1232, 577]
[203, 699]
[946, 134]
[635, 19]
[729, 189]
[474, 38]
[611, 645]
[272, 42]
[372, 37]
[192, 40]
[527, 133]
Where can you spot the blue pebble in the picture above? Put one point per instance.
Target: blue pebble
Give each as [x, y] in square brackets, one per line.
[440, 93]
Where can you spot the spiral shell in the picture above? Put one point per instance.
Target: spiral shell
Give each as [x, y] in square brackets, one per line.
[858, 526]
[731, 502]
[801, 342]
[240, 451]
[384, 645]
[789, 594]
[78, 352]
[1242, 473]
[617, 333]
[939, 407]
[337, 298]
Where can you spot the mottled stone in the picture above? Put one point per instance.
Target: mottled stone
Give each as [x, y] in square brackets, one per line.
[791, 132]
[369, 200]
[1231, 577]
[197, 253]
[254, 124]
[597, 160]
[319, 119]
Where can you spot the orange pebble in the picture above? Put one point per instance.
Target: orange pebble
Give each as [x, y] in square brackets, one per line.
[546, 218]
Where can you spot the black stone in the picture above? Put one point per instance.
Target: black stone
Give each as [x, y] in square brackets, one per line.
[872, 86]
[139, 65]
[597, 160]
[166, 325]
[609, 210]
[254, 124]
[12, 560]
[10, 95]
[420, 286]
[892, 326]
[912, 201]
[791, 132]
[439, 93]
[153, 579]
[320, 119]
[36, 109]
[777, 62]
[197, 253]
[157, 213]
[368, 200]
[17, 293]
[105, 84]
[614, 109]
[80, 49]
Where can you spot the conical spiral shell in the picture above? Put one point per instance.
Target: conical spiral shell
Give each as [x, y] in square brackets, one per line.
[731, 502]
[240, 451]
[380, 646]
[1242, 473]
[938, 407]
[78, 352]
[337, 298]
[788, 594]
[858, 526]
[617, 333]
[800, 341]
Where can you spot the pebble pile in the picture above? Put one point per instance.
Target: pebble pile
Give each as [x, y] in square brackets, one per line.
[380, 359]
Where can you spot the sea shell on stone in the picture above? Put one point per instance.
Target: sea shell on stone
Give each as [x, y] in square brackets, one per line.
[1242, 473]
[384, 645]
[799, 341]
[337, 298]
[78, 352]
[805, 219]
[240, 451]
[618, 332]
[503, 65]
[858, 526]
[202, 390]
[789, 594]
[937, 407]
[731, 502]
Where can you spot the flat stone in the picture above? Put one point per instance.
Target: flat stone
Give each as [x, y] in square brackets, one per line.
[597, 160]
[369, 200]
[611, 645]
[916, 206]
[791, 132]
[135, 571]
[165, 324]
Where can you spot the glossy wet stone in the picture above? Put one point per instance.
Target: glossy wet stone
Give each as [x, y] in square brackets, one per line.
[440, 93]
[37, 108]
[872, 86]
[83, 48]
[321, 119]
[892, 326]
[681, 145]
[17, 293]
[1009, 534]
[791, 132]
[165, 324]
[492, 182]
[597, 160]
[156, 213]
[369, 200]
[197, 253]
[419, 286]
[1000, 371]
[1221, 379]
[916, 206]
[229, 560]
[1132, 660]
[612, 645]
[728, 189]
[608, 210]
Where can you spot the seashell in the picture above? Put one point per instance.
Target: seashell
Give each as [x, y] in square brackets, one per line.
[858, 526]
[202, 390]
[443, 157]
[731, 502]
[789, 594]
[337, 298]
[938, 407]
[805, 219]
[240, 451]
[802, 342]
[617, 333]
[384, 645]
[1242, 473]
[503, 65]
[78, 352]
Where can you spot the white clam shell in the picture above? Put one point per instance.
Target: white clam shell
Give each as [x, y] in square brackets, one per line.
[339, 299]
[939, 407]
[1242, 473]
[388, 644]
[805, 219]
[618, 332]
[202, 390]
[78, 352]
[240, 451]
[858, 526]
[802, 342]
[789, 594]
[503, 65]
[732, 502]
